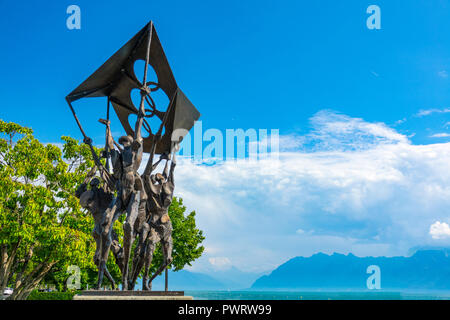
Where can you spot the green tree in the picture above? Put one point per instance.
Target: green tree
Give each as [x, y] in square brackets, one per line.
[41, 222]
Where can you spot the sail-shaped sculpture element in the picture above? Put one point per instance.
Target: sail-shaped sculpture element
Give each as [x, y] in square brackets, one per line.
[116, 79]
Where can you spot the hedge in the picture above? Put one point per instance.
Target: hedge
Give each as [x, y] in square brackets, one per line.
[36, 295]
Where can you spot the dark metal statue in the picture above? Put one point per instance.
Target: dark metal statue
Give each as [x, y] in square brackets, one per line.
[146, 198]
[158, 227]
[130, 198]
[144, 229]
[96, 200]
[160, 188]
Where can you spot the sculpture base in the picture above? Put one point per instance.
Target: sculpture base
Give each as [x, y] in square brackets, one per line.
[131, 295]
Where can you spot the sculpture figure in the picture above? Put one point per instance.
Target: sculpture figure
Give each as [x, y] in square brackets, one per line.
[144, 229]
[146, 198]
[160, 189]
[96, 200]
[131, 195]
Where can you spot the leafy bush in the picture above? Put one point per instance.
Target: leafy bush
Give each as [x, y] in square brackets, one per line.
[36, 295]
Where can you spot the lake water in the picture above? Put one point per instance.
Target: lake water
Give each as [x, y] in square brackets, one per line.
[316, 295]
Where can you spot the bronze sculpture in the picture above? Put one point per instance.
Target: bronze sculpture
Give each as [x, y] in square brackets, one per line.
[96, 200]
[144, 198]
[161, 189]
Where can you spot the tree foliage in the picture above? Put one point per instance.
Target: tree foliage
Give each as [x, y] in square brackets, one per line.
[41, 222]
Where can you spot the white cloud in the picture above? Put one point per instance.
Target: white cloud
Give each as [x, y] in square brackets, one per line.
[401, 121]
[443, 74]
[220, 263]
[332, 130]
[440, 135]
[362, 187]
[440, 230]
[427, 112]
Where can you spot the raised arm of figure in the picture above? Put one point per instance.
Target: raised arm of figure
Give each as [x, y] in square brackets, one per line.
[162, 157]
[83, 187]
[109, 143]
[103, 172]
[166, 169]
[150, 166]
[172, 169]
[97, 162]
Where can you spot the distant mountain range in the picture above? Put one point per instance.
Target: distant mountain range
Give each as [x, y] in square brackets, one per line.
[230, 279]
[427, 269]
[186, 280]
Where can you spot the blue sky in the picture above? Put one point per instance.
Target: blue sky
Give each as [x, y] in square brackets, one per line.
[249, 64]
[313, 70]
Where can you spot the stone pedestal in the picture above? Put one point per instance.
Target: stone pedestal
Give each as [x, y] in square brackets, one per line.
[131, 295]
